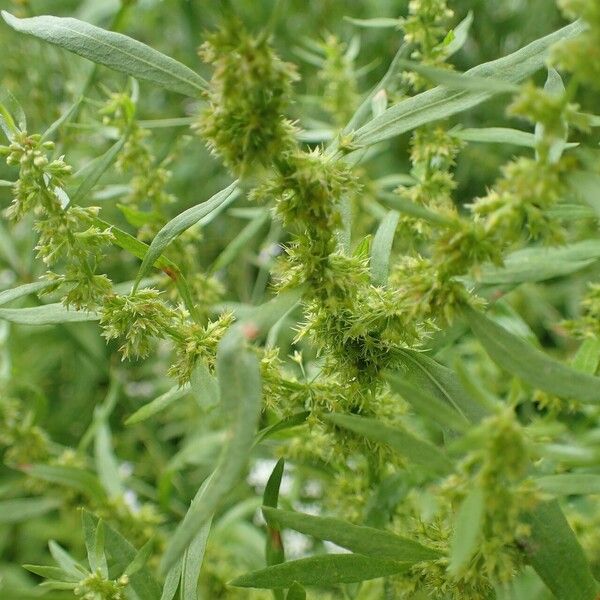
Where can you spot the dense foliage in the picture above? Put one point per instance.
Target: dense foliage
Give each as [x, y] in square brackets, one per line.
[300, 299]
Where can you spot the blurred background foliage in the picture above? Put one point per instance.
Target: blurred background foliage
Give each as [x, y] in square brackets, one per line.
[63, 374]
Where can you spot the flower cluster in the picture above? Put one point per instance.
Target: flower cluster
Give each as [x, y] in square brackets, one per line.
[249, 94]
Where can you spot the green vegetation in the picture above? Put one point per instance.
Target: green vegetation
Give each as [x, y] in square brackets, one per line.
[299, 300]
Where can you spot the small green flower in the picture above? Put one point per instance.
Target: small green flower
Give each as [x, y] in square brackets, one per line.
[136, 319]
[249, 94]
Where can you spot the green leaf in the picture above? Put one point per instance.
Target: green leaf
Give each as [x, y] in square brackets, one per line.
[454, 80]
[407, 207]
[172, 580]
[361, 540]
[460, 35]
[381, 248]
[376, 23]
[179, 224]
[530, 364]
[540, 264]
[324, 570]
[23, 509]
[428, 405]
[554, 552]
[107, 465]
[416, 451]
[428, 375]
[113, 50]
[54, 573]
[158, 404]
[70, 477]
[10, 109]
[204, 386]
[192, 563]
[48, 314]
[63, 119]
[238, 373]
[294, 420]
[495, 135]
[296, 592]
[570, 483]
[96, 169]
[467, 528]
[94, 543]
[274, 550]
[64, 560]
[23, 290]
[121, 554]
[140, 559]
[134, 246]
[440, 103]
[587, 356]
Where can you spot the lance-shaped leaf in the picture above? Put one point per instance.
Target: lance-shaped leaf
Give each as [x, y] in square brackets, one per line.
[540, 264]
[416, 451]
[192, 563]
[467, 527]
[440, 102]
[274, 550]
[424, 373]
[159, 404]
[362, 540]
[179, 224]
[522, 359]
[238, 373]
[382, 248]
[427, 404]
[24, 290]
[554, 552]
[96, 170]
[48, 314]
[328, 569]
[113, 50]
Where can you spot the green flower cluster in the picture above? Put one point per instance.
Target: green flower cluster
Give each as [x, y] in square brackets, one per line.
[66, 232]
[249, 93]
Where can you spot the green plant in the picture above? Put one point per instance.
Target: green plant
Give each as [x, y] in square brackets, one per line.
[409, 324]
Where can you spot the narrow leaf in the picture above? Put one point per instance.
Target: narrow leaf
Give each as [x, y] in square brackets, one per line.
[425, 373]
[179, 224]
[530, 364]
[158, 404]
[416, 451]
[96, 170]
[467, 528]
[328, 569]
[274, 550]
[48, 314]
[23, 290]
[113, 50]
[381, 248]
[428, 405]
[440, 103]
[555, 554]
[238, 373]
[362, 540]
[192, 563]
[540, 264]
